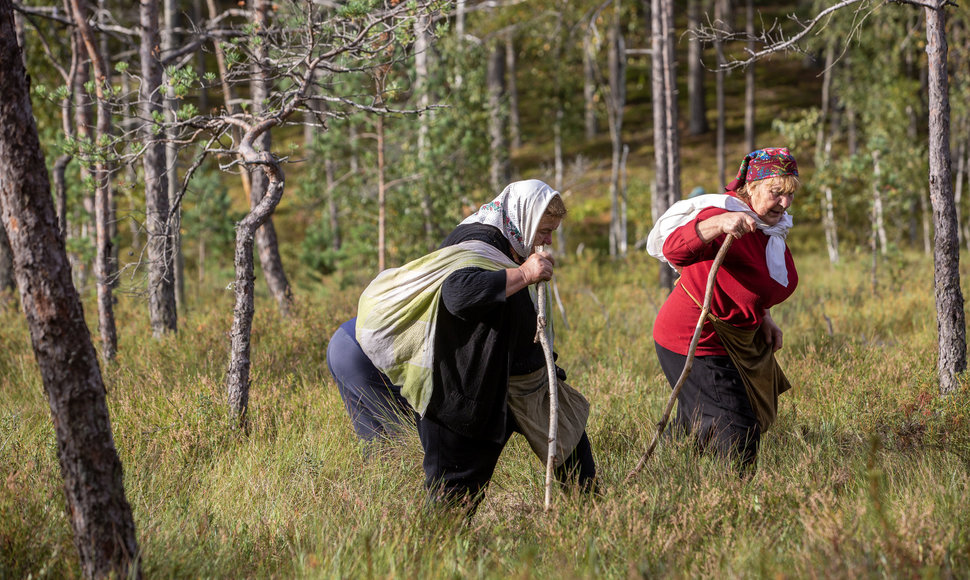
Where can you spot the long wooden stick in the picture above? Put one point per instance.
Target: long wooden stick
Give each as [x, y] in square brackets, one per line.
[705, 309]
[553, 389]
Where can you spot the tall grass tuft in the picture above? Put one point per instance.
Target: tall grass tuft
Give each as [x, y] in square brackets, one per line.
[866, 472]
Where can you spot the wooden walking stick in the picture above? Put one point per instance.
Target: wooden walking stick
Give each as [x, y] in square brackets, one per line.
[705, 309]
[553, 388]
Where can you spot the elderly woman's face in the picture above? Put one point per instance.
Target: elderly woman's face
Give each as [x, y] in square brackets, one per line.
[547, 225]
[769, 201]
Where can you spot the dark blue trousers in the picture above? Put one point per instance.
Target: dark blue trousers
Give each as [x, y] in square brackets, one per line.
[375, 406]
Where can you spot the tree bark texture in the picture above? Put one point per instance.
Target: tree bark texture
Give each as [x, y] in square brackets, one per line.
[168, 44]
[616, 57]
[719, 95]
[237, 378]
[103, 269]
[99, 514]
[951, 322]
[266, 241]
[499, 173]
[161, 276]
[8, 283]
[749, 86]
[422, 86]
[662, 117]
[515, 132]
[696, 95]
[589, 84]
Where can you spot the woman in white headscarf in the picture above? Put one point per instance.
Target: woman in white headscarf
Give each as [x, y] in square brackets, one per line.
[456, 328]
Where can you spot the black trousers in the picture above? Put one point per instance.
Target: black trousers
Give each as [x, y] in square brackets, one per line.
[457, 468]
[713, 405]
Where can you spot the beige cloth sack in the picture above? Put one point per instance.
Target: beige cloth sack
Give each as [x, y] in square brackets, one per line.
[529, 403]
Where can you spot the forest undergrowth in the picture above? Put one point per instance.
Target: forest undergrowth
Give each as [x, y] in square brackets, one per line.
[865, 474]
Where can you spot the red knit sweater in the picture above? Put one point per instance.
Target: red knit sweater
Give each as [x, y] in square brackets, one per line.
[742, 291]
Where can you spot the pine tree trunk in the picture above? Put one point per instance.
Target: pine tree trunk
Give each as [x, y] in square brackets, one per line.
[589, 85]
[102, 198]
[498, 144]
[161, 282]
[267, 244]
[663, 187]
[616, 57]
[515, 133]
[696, 95]
[237, 377]
[749, 86]
[670, 97]
[171, 154]
[99, 515]
[949, 297]
[721, 115]
[422, 86]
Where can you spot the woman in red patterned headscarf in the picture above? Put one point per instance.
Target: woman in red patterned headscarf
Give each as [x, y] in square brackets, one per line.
[730, 396]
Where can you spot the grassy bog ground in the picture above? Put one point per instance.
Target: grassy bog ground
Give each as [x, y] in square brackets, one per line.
[866, 472]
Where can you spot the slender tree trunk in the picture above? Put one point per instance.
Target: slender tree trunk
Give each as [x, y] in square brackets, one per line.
[557, 124]
[823, 147]
[161, 281]
[227, 92]
[878, 221]
[696, 95]
[459, 36]
[719, 90]
[99, 514]
[266, 241]
[171, 158]
[499, 173]
[616, 57]
[381, 199]
[749, 86]
[589, 84]
[332, 208]
[662, 188]
[670, 97]
[423, 89]
[951, 321]
[102, 261]
[237, 378]
[515, 133]
[83, 123]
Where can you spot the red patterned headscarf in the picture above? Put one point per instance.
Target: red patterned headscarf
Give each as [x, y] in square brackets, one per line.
[764, 163]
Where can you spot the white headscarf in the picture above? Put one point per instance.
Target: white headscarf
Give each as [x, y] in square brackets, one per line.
[686, 210]
[516, 213]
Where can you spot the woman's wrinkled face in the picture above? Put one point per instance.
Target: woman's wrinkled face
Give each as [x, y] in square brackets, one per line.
[769, 200]
[547, 225]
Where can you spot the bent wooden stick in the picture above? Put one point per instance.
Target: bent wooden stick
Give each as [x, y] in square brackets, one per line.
[543, 338]
[705, 309]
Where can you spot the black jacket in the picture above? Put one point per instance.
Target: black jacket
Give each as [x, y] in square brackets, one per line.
[481, 338]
